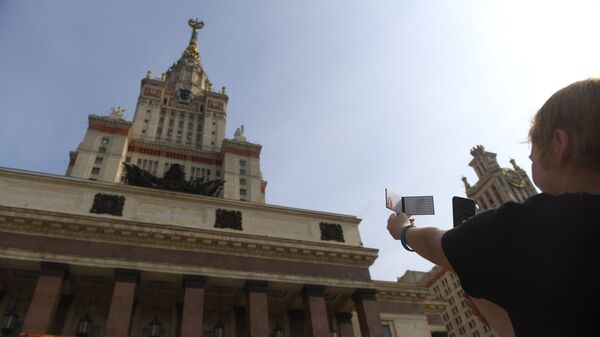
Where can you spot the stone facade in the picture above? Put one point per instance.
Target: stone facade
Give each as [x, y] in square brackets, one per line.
[88, 255]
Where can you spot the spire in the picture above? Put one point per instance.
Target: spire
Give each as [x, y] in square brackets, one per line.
[192, 49]
[464, 180]
[514, 164]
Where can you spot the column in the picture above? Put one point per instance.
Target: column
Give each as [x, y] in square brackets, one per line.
[296, 318]
[46, 296]
[193, 306]
[315, 311]
[121, 305]
[257, 311]
[344, 321]
[61, 314]
[368, 313]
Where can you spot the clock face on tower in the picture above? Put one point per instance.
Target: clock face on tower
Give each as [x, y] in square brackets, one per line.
[513, 178]
[184, 96]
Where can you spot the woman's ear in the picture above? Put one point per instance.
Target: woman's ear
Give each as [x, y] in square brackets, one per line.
[561, 146]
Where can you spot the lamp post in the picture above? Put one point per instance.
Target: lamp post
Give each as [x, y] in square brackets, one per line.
[83, 326]
[154, 327]
[219, 329]
[278, 331]
[9, 321]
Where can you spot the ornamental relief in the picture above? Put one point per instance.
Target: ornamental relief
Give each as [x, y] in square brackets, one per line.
[218, 105]
[108, 204]
[152, 91]
[228, 219]
[331, 232]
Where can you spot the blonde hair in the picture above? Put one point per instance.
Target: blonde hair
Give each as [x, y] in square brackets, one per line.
[576, 110]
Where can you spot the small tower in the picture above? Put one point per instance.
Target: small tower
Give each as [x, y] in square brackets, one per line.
[496, 185]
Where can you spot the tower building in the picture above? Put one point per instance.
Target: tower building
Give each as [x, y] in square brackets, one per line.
[495, 186]
[178, 119]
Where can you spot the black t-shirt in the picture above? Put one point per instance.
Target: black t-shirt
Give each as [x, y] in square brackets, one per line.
[538, 260]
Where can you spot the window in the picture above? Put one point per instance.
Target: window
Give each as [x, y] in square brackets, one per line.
[476, 334]
[242, 163]
[144, 131]
[171, 122]
[218, 173]
[169, 132]
[148, 111]
[243, 171]
[471, 324]
[242, 181]
[161, 121]
[208, 172]
[213, 132]
[242, 191]
[461, 330]
[105, 140]
[212, 143]
[95, 170]
[486, 328]
[159, 131]
[128, 159]
[98, 160]
[181, 124]
[145, 120]
[102, 149]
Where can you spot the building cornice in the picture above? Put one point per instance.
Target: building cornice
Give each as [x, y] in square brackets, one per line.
[91, 228]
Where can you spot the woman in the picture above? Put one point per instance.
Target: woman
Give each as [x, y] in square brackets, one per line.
[529, 268]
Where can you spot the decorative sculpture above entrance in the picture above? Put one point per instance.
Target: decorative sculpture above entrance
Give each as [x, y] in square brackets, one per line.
[173, 180]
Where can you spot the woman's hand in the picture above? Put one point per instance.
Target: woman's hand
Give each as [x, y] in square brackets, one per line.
[396, 222]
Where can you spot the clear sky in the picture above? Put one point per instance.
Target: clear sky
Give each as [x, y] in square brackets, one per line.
[346, 97]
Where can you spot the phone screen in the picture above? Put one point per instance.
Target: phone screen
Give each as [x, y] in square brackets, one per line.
[462, 209]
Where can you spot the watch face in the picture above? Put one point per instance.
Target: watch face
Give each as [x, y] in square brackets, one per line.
[184, 95]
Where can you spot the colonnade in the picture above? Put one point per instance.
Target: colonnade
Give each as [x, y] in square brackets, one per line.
[252, 321]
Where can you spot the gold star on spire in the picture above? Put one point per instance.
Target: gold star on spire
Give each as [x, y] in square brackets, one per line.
[192, 49]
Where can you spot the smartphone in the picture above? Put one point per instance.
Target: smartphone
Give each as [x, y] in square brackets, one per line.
[462, 209]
